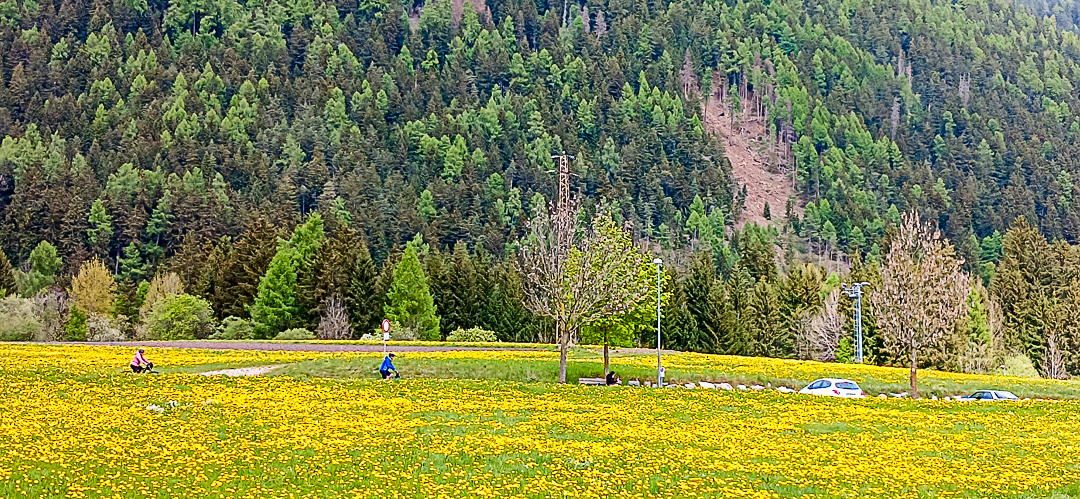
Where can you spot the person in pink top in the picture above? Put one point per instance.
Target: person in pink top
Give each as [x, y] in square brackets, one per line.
[139, 364]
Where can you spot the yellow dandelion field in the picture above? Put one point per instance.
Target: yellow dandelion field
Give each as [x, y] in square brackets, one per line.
[73, 424]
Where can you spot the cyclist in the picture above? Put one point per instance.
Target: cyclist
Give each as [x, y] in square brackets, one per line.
[388, 366]
[139, 364]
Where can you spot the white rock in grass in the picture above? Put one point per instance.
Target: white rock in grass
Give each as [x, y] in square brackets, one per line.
[757, 387]
[689, 386]
[633, 382]
[933, 397]
[725, 386]
[882, 396]
[706, 385]
[742, 387]
[784, 389]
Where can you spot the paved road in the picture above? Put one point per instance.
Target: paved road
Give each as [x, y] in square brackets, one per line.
[301, 347]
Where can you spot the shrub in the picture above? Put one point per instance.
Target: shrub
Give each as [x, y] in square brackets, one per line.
[53, 309]
[100, 328]
[234, 328]
[474, 334]
[19, 321]
[845, 351]
[334, 323]
[75, 328]
[1020, 365]
[398, 333]
[160, 287]
[295, 334]
[180, 317]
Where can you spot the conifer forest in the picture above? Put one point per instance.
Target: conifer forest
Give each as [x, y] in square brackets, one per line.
[306, 168]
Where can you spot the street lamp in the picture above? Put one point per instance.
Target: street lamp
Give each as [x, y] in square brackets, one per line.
[855, 291]
[659, 368]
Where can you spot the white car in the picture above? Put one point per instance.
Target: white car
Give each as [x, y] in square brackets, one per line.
[990, 396]
[832, 387]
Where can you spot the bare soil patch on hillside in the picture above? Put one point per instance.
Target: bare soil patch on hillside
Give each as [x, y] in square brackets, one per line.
[747, 147]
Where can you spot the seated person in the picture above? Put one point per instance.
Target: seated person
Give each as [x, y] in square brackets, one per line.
[388, 366]
[139, 364]
[612, 379]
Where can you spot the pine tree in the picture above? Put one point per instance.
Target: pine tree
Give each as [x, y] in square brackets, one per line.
[409, 301]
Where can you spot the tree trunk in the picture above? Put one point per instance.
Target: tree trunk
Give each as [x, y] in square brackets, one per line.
[914, 389]
[560, 331]
[606, 361]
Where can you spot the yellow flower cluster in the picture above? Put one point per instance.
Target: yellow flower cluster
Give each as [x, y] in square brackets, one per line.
[73, 425]
[804, 370]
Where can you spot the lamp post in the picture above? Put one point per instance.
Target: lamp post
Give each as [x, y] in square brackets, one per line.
[855, 291]
[659, 367]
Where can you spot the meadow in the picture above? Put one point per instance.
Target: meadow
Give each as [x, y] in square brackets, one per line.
[74, 424]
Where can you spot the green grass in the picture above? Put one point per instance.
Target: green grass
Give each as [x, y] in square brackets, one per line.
[448, 344]
[505, 370]
[587, 363]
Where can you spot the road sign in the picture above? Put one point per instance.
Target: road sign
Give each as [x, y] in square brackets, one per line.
[386, 325]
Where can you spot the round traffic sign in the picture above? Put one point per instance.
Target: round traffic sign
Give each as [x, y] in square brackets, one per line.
[386, 325]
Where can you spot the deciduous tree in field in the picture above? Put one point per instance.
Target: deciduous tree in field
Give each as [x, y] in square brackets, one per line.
[923, 291]
[578, 283]
[94, 288]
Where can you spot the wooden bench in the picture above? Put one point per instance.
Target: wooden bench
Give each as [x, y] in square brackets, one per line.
[592, 381]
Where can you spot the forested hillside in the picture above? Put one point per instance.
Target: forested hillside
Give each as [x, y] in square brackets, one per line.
[200, 138]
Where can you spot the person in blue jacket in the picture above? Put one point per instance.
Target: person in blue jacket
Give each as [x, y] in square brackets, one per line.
[388, 366]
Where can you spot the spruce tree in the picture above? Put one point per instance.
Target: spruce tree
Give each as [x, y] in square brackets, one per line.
[464, 294]
[274, 309]
[216, 279]
[7, 276]
[100, 232]
[306, 240]
[252, 255]
[364, 300]
[437, 270]
[704, 297]
[409, 301]
[678, 324]
[132, 268]
[278, 305]
[331, 270]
